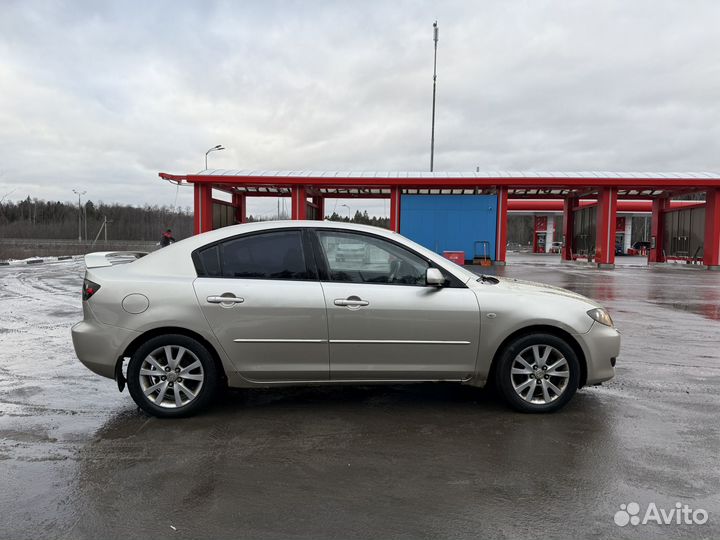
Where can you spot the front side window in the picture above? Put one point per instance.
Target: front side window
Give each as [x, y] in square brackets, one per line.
[274, 255]
[359, 258]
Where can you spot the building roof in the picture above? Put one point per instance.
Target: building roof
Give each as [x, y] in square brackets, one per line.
[519, 184]
[455, 175]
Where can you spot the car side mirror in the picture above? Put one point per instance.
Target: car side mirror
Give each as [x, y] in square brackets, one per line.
[435, 277]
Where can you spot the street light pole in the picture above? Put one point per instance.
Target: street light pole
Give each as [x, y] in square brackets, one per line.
[79, 194]
[213, 149]
[348, 209]
[432, 136]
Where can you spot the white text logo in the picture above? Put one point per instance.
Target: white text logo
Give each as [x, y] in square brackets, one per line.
[680, 514]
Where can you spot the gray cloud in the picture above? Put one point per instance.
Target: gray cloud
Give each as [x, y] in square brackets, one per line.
[102, 96]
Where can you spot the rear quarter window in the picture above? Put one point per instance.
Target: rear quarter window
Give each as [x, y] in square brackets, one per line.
[209, 262]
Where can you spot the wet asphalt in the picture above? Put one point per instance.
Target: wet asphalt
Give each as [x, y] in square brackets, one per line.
[79, 460]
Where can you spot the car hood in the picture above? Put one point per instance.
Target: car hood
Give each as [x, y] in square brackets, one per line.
[519, 286]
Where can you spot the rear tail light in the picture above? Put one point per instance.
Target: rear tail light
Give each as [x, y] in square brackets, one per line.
[89, 288]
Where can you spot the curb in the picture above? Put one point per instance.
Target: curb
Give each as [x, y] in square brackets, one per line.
[39, 261]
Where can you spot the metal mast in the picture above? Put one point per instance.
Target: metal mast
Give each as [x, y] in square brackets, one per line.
[432, 136]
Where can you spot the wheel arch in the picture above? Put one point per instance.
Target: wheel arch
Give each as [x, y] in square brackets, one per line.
[164, 330]
[543, 329]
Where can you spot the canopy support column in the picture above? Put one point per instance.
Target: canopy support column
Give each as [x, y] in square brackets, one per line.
[240, 204]
[319, 203]
[299, 202]
[605, 231]
[711, 247]
[395, 195]
[657, 230]
[502, 224]
[203, 220]
[570, 204]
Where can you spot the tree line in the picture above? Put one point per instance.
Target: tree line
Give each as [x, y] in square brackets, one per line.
[362, 218]
[34, 218]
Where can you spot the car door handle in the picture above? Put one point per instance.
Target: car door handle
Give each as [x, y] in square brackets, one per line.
[225, 300]
[351, 302]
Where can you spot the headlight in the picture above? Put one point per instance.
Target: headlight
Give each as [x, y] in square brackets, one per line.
[600, 315]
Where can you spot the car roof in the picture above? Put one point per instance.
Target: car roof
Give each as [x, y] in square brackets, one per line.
[174, 259]
[233, 230]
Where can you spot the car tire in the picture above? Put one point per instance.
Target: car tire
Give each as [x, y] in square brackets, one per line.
[172, 376]
[537, 373]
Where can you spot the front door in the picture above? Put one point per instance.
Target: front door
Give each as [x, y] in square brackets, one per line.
[384, 322]
[261, 297]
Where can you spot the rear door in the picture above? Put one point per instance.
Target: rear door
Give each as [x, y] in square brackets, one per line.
[384, 322]
[262, 299]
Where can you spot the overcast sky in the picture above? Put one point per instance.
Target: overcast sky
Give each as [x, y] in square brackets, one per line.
[102, 96]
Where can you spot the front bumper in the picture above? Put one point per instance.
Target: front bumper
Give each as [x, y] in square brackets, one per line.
[98, 346]
[601, 345]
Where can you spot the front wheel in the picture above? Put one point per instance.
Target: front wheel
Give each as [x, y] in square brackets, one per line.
[172, 376]
[538, 373]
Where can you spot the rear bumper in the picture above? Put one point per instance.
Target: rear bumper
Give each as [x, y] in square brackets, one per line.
[98, 346]
[601, 345]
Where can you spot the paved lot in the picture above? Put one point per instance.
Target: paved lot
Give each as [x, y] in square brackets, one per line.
[78, 460]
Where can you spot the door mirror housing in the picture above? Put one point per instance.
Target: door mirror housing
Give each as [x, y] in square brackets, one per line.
[434, 277]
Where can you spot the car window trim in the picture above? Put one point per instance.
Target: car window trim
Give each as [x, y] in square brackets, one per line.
[453, 281]
[319, 256]
[308, 255]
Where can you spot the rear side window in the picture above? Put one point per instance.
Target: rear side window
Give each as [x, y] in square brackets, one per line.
[210, 261]
[274, 255]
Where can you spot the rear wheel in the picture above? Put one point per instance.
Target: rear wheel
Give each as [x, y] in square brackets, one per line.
[172, 376]
[538, 373]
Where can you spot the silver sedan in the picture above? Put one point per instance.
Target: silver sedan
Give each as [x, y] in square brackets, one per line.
[283, 303]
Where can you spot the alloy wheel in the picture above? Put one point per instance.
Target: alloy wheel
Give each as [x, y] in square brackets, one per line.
[171, 376]
[540, 374]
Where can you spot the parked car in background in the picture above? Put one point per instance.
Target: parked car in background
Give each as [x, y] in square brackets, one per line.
[265, 304]
[555, 247]
[351, 252]
[641, 245]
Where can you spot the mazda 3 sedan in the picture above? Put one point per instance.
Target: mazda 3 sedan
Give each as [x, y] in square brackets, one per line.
[282, 303]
